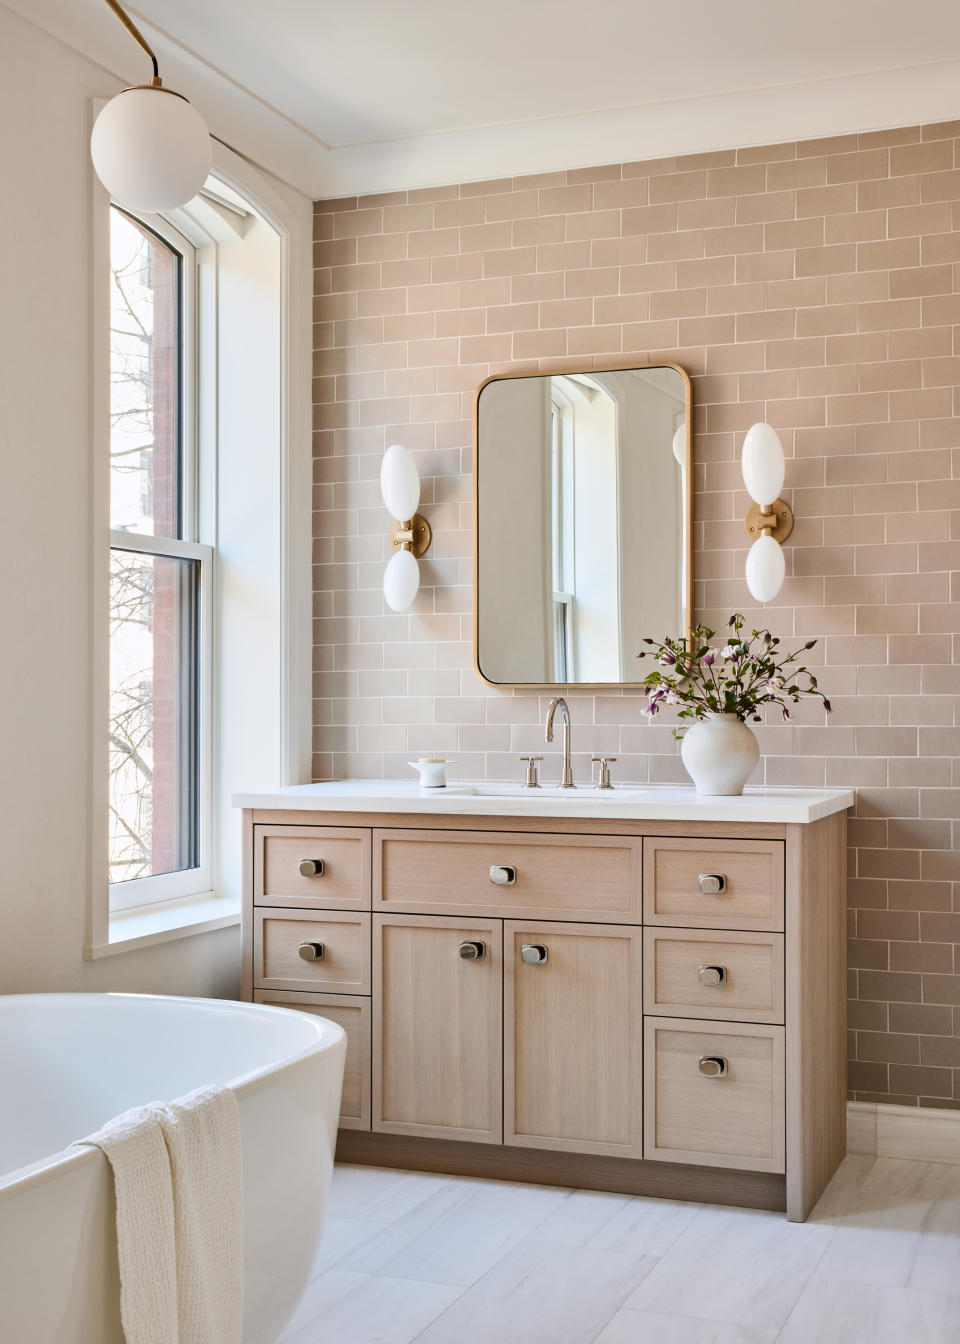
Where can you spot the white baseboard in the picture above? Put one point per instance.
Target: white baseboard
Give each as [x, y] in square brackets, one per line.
[878, 1130]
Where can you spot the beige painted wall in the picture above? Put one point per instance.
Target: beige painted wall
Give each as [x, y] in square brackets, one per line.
[814, 285]
[46, 541]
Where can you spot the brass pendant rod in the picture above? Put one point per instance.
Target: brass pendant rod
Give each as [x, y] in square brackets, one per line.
[135, 33]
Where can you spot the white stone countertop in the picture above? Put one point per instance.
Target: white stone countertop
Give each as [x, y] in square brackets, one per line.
[487, 799]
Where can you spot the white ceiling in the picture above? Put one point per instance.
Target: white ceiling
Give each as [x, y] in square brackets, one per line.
[376, 94]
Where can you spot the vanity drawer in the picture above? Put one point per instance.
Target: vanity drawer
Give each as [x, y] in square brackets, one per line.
[583, 877]
[353, 1014]
[699, 973]
[283, 939]
[732, 1120]
[339, 856]
[713, 884]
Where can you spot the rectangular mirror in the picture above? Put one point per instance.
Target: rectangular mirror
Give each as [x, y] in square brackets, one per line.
[583, 523]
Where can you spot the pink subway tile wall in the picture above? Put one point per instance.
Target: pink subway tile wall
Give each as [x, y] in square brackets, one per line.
[813, 285]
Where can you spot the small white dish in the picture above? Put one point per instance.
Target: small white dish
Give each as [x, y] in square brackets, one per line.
[433, 772]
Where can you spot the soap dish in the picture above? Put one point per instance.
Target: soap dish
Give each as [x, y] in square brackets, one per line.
[433, 771]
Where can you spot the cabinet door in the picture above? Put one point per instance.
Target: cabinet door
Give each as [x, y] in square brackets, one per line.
[353, 1014]
[438, 1019]
[573, 1035]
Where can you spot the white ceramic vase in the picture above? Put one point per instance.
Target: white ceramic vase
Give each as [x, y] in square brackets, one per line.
[719, 754]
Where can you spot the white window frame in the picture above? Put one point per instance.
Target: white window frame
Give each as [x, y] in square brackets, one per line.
[196, 335]
[274, 747]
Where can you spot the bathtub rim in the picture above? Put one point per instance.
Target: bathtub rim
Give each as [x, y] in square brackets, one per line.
[328, 1033]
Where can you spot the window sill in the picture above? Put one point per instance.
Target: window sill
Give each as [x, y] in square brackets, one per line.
[164, 922]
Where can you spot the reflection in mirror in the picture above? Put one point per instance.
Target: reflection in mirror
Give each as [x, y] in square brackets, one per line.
[583, 523]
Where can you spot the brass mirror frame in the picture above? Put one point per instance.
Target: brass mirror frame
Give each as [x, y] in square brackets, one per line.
[562, 371]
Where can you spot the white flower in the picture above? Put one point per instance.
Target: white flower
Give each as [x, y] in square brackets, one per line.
[728, 651]
[672, 698]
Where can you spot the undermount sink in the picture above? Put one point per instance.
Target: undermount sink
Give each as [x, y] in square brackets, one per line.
[549, 793]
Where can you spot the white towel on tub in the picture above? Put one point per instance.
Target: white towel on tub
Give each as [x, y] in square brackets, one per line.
[178, 1174]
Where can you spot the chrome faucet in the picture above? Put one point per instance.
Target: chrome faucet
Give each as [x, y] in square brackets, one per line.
[558, 702]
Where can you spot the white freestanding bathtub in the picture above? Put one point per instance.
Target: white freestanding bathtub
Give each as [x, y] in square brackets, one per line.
[68, 1062]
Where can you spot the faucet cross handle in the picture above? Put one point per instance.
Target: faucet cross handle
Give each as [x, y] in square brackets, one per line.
[531, 781]
[603, 774]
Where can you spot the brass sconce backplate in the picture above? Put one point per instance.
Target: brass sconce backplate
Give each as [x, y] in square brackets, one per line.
[777, 519]
[414, 535]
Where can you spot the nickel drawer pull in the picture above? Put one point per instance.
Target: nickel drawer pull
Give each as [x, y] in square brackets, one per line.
[713, 1066]
[501, 875]
[712, 884]
[534, 954]
[311, 951]
[712, 975]
[311, 867]
[472, 950]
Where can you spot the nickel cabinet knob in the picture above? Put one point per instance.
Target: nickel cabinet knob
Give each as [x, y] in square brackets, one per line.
[712, 975]
[502, 875]
[712, 884]
[471, 950]
[713, 1066]
[310, 951]
[311, 867]
[534, 954]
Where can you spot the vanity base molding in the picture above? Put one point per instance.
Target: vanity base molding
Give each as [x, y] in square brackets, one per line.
[646, 1005]
[579, 1171]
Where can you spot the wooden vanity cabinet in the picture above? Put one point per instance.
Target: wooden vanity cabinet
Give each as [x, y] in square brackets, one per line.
[652, 1007]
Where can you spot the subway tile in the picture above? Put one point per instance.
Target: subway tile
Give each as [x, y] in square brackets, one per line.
[862, 328]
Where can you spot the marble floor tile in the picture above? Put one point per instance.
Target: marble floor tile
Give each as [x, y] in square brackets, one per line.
[341, 1235]
[380, 1194]
[840, 1194]
[541, 1294]
[646, 1327]
[878, 1239]
[457, 1234]
[583, 1214]
[737, 1265]
[647, 1226]
[833, 1312]
[340, 1306]
[936, 1265]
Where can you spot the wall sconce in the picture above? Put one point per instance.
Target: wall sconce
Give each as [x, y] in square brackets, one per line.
[769, 521]
[400, 487]
[150, 148]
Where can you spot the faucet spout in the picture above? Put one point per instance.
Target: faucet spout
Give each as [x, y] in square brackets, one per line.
[558, 703]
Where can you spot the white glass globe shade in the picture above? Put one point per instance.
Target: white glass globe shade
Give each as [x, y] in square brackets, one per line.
[765, 569]
[763, 464]
[401, 580]
[400, 483]
[151, 149]
[680, 444]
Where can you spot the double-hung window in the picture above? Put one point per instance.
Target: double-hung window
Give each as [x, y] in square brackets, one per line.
[159, 723]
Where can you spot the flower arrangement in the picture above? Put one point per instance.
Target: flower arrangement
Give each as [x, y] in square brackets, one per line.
[740, 677]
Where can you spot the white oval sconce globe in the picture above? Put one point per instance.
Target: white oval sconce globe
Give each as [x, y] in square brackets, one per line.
[765, 569]
[400, 483]
[401, 580]
[763, 464]
[680, 444]
[150, 149]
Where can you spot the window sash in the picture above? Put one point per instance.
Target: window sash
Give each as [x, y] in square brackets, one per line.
[197, 880]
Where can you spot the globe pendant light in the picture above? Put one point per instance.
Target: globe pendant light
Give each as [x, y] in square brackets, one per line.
[150, 148]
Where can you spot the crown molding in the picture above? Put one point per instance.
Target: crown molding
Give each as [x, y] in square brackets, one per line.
[880, 100]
